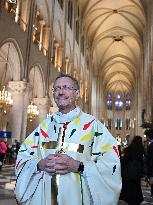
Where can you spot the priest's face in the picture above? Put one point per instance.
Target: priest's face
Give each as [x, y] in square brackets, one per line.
[65, 94]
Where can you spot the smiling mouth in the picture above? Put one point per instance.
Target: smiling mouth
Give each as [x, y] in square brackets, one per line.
[62, 98]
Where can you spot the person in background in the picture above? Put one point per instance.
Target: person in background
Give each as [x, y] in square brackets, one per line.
[146, 144]
[70, 158]
[120, 151]
[149, 158]
[9, 154]
[3, 150]
[17, 146]
[132, 171]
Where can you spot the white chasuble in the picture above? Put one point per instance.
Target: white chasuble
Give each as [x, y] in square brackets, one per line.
[82, 137]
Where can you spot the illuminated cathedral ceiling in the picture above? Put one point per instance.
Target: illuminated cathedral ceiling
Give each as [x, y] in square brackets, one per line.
[115, 31]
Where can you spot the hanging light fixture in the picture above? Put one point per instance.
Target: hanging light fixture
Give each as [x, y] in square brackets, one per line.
[6, 101]
[32, 111]
[32, 108]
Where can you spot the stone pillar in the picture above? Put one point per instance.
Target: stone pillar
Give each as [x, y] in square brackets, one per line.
[17, 11]
[46, 40]
[26, 8]
[6, 5]
[66, 65]
[42, 23]
[26, 103]
[56, 53]
[93, 96]
[42, 106]
[70, 67]
[17, 88]
[60, 58]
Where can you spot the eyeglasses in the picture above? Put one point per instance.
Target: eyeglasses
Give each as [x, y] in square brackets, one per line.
[64, 87]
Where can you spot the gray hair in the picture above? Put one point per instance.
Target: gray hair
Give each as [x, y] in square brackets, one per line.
[62, 75]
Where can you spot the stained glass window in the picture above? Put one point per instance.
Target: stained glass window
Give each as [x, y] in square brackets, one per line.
[128, 101]
[118, 101]
[109, 101]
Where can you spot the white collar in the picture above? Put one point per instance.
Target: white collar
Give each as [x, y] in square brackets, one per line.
[63, 118]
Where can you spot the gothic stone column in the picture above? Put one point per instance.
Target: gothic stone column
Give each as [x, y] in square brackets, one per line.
[25, 109]
[17, 88]
[43, 107]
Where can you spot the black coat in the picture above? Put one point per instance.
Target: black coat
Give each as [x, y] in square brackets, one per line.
[149, 160]
[131, 188]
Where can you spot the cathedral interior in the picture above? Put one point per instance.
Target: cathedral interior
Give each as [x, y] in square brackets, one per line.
[106, 44]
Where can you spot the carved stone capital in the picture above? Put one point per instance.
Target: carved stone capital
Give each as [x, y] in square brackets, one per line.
[19, 87]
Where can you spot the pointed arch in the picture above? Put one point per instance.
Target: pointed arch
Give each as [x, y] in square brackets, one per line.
[36, 79]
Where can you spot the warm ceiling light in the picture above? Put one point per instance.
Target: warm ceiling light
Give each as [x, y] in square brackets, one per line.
[32, 108]
[32, 111]
[6, 101]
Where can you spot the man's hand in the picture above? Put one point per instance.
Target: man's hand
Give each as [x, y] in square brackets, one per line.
[48, 164]
[58, 164]
[65, 164]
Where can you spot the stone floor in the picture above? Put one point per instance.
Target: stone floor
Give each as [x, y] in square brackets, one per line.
[7, 183]
[146, 194]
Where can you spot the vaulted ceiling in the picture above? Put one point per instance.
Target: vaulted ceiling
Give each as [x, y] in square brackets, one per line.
[115, 32]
